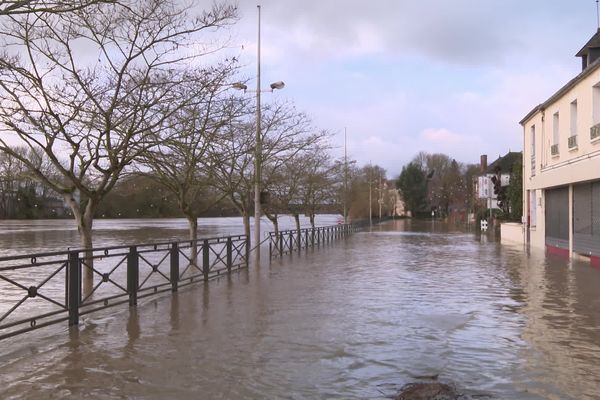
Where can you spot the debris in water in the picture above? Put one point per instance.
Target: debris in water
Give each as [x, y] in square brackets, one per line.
[427, 391]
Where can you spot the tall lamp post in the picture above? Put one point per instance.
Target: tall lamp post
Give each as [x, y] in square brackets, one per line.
[258, 145]
[370, 197]
[345, 180]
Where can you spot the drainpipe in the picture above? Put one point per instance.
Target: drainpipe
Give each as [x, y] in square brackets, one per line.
[543, 141]
[571, 221]
[525, 194]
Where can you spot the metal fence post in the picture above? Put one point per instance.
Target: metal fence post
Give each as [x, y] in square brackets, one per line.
[74, 287]
[306, 239]
[280, 244]
[205, 259]
[247, 250]
[174, 266]
[230, 254]
[291, 242]
[133, 275]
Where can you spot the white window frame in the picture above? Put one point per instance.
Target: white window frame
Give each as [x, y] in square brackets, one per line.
[596, 104]
[574, 118]
[533, 208]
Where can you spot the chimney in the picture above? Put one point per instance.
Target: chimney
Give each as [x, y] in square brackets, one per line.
[483, 163]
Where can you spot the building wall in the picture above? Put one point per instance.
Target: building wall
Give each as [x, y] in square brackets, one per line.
[580, 163]
[512, 232]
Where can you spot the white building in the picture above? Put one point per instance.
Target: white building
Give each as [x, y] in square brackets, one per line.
[502, 167]
[561, 160]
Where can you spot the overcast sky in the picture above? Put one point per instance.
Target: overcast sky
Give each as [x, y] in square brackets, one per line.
[408, 75]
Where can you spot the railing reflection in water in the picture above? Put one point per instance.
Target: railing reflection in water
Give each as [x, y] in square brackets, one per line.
[42, 289]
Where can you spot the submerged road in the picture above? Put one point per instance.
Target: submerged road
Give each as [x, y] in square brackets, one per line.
[357, 319]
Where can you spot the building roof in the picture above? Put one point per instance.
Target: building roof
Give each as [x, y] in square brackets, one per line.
[593, 43]
[505, 163]
[584, 74]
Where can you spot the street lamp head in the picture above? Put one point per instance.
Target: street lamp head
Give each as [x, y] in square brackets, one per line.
[239, 86]
[277, 85]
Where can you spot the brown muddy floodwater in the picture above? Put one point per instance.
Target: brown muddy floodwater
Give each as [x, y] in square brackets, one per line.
[355, 320]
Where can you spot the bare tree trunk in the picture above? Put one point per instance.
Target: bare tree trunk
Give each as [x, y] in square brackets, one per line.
[246, 219]
[297, 220]
[311, 217]
[84, 222]
[193, 235]
[274, 221]
[299, 239]
[84, 226]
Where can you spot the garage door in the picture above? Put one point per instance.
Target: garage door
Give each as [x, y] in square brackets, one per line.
[557, 217]
[586, 218]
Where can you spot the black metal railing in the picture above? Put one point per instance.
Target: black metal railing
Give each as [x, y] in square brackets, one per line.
[47, 288]
[288, 241]
[595, 132]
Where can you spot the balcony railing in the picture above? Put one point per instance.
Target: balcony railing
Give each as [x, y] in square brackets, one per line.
[533, 165]
[573, 142]
[554, 149]
[595, 131]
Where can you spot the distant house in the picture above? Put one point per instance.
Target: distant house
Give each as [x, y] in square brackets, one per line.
[501, 167]
[561, 176]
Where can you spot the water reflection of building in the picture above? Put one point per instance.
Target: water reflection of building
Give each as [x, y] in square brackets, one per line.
[558, 300]
[398, 208]
[561, 176]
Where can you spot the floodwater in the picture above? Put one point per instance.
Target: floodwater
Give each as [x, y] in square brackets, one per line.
[36, 236]
[354, 320]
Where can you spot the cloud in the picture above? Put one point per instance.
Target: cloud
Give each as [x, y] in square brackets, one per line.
[466, 32]
[419, 75]
[441, 135]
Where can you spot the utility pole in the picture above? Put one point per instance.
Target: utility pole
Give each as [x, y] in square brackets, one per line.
[370, 201]
[380, 200]
[257, 154]
[258, 144]
[345, 179]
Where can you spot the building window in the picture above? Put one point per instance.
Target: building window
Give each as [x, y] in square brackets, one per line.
[596, 104]
[574, 118]
[572, 142]
[533, 208]
[555, 135]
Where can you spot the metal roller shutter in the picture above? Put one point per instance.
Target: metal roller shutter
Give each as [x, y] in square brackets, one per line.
[557, 217]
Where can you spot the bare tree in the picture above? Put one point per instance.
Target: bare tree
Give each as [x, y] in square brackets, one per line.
[20, 7]
[304, 183]
[285, 133]
[234, 173]
[92, 88]
[363, 191]
[322, 182]
[283, 183]
[182, 162]
[21, 196]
